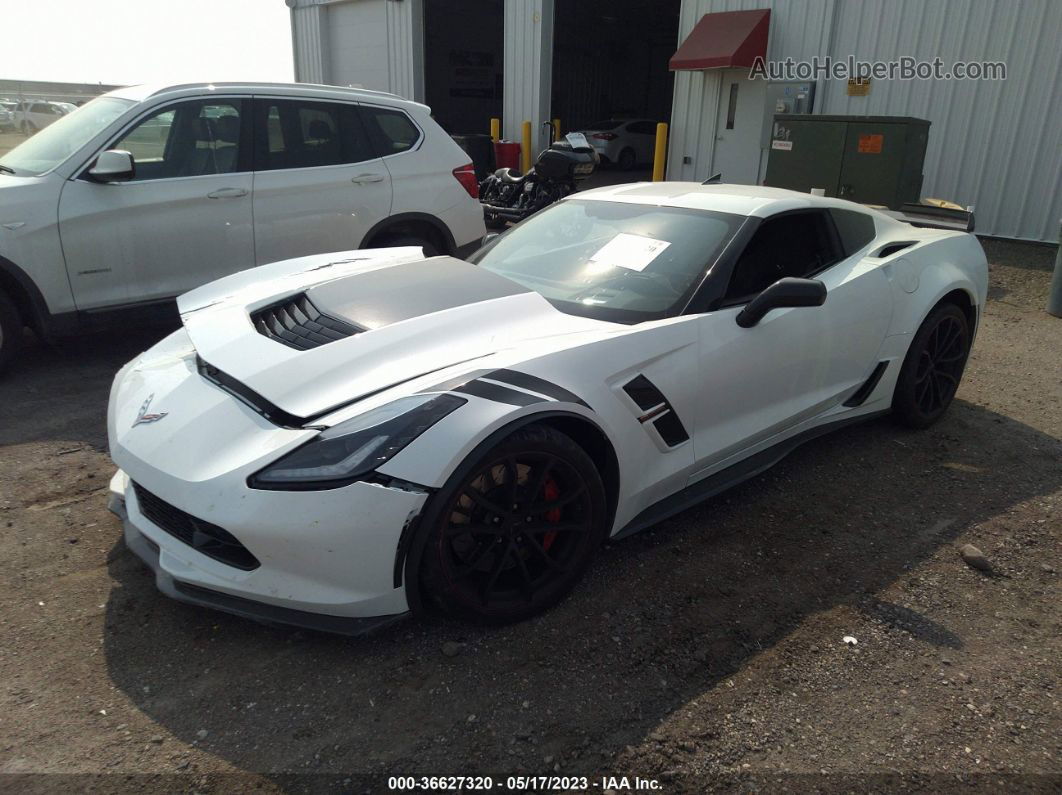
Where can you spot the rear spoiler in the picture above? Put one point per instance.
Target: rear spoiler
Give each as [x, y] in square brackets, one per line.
[934, 216]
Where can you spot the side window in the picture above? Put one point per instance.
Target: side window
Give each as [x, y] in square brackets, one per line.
[191, 139]
[392, 130]
[300, 134]
[856, 229]
[794, 244]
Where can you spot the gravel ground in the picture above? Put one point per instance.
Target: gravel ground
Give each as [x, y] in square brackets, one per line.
[706, 653]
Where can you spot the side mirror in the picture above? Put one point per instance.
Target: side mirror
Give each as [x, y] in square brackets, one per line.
[488, 238]
[114, 165]
[783, 293]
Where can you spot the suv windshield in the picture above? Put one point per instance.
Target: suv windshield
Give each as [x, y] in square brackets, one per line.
[56, 142]
[613, 261]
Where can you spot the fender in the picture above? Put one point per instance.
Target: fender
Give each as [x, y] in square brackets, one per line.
[396, 220]
[30, 301]
[948, 265]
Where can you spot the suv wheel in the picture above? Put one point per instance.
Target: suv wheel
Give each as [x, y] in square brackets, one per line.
[10, 331]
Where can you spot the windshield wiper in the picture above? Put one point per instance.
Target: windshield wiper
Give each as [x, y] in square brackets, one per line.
[6, 169]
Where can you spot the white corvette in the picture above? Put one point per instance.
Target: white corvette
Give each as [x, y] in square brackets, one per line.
[339, 440]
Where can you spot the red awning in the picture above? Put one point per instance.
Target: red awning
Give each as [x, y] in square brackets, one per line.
[724, 39]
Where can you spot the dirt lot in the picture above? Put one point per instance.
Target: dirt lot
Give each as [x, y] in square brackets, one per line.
[706, 653]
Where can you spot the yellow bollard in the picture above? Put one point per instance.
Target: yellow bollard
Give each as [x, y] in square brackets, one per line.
[495, 129]
[660, 153]
[525, 148]
[556, 129]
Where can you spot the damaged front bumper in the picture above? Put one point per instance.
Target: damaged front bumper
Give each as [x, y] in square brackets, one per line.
[349, 589]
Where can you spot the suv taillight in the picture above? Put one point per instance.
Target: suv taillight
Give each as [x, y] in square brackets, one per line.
[466, 175]
[604, 136]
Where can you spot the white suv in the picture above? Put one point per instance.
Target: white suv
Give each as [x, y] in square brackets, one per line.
[35, 115]
[145, 193]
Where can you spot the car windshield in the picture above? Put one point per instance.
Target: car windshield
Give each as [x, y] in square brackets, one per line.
[610, 124]
[56, 142]
[613, 261]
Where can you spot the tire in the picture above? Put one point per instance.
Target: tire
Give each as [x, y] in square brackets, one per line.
[431, 248]
[544, 550]
[627, 160]
[10, 331]
[932, 368]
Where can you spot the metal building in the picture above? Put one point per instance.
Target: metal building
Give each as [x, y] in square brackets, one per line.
[995, 144]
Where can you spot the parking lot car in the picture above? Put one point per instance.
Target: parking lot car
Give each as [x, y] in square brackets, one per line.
[624, 142]
[336, 440]
[145, 193]
[7, 116]
[31, 117]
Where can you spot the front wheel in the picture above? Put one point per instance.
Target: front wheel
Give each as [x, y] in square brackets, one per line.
[10, 331]
[932, 368]
[511, 534]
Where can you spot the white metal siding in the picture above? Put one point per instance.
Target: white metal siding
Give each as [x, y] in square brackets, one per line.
[528, 66]
[307, 39]
[997, 145]
[358, 44]
[375, 44]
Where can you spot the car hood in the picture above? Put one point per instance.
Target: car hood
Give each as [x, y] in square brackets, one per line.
[389, 316]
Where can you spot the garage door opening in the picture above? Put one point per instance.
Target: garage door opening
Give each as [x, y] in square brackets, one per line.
[610, 67]
[463, 57]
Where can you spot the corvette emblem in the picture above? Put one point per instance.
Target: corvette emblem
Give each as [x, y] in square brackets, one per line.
[143, 417]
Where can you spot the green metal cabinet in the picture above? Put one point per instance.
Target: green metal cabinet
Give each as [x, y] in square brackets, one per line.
[866, 159]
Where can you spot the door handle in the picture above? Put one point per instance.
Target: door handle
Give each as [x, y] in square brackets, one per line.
[227, 193]
[362, 179]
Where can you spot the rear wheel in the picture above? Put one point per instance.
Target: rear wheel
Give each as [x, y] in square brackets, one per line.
[10, 331]
[932, 368]
[512, 534]
[627, 160]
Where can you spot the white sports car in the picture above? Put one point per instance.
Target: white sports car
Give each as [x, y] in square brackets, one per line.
[340, 440]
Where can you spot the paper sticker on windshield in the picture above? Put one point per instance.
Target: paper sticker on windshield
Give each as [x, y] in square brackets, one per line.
[633, 252]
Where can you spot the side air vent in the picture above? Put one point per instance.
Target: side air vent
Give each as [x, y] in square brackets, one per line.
[860, 396]
[642, 391]
[657, 410]
[892, 248]
[297, 323]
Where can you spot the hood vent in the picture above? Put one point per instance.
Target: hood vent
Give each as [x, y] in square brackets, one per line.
[297, 323]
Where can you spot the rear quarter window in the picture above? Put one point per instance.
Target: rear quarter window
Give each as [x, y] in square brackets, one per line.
[392, 131]
[855, 229]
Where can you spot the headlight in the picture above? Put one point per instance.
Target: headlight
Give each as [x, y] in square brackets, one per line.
[343, 454]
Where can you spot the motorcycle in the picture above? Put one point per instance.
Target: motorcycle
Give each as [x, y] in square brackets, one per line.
[510, 196]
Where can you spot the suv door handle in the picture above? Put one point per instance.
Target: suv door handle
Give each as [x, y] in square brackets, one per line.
[227, 193]
[362, 179]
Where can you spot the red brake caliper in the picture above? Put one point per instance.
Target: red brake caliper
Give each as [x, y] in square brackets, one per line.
[551, 492]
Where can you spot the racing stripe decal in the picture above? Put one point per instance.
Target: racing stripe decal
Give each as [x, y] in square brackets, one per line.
[499, 393]
[536, 384]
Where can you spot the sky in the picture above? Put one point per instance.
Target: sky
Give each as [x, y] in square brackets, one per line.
[123, 42]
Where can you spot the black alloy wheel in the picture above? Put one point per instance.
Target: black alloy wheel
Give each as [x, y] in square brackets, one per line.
[516, 531]
[933, 367]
